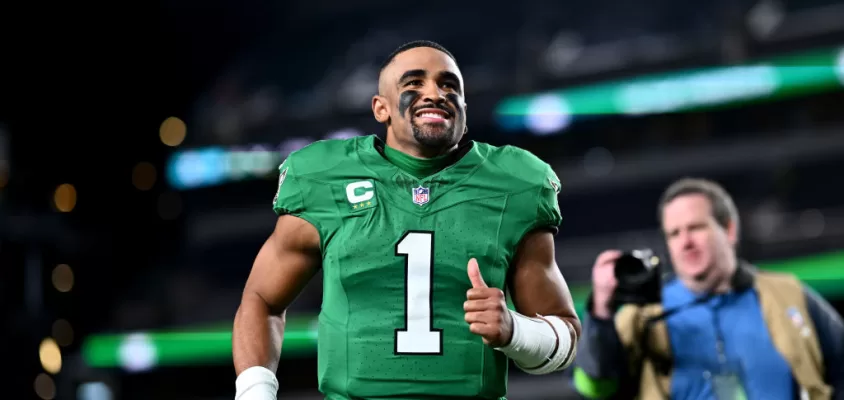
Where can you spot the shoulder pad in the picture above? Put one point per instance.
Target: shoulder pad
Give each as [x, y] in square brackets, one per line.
[525, 164]
[321, 155]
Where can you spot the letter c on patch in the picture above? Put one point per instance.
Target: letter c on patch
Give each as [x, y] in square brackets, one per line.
[359, 191]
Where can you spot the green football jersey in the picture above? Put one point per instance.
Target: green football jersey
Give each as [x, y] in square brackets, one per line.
[395, 251]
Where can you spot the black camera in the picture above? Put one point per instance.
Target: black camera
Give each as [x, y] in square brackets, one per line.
[639, 279]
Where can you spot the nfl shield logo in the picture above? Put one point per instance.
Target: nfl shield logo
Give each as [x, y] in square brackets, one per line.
[420, 195]
[795, 317]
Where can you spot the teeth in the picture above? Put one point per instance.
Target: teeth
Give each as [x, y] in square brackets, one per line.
[432, 115]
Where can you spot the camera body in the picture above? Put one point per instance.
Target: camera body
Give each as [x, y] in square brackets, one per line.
[639, 279]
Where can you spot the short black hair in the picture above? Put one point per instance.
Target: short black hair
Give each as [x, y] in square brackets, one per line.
[412, 45]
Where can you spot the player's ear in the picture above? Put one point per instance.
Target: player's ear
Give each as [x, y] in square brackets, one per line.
[380, 109]
[465, 108]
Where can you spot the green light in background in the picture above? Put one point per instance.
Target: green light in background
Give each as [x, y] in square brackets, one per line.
[212, 346]
[140, 351]
[802, 73]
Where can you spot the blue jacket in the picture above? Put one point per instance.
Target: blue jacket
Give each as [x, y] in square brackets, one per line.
[713, 341]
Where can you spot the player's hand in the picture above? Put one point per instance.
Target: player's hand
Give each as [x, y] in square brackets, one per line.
[486, 310]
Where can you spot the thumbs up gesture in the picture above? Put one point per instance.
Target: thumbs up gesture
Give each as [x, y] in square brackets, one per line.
[486, 310]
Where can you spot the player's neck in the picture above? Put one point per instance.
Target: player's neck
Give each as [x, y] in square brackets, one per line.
[418, 167]
[415, 150]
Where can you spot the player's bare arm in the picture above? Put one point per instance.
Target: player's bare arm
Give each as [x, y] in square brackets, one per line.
[537, 285]
[282, 268]
[541, 336]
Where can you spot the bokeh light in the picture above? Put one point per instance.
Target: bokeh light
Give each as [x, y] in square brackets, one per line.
[62, 332]
[45, 388]
[63, 278]
[50, 356]
[144, 176]
[172, 131]
[65, 197]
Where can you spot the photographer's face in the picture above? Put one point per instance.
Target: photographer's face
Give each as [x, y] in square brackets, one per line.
[700, 248]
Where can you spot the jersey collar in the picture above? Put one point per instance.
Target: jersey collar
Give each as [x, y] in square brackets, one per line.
[469, 158]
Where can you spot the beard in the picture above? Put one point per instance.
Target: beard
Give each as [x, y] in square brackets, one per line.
[435, 135]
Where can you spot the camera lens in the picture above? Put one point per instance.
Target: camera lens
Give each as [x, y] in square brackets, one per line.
[630, 270]
[639, 280]
[636, 268]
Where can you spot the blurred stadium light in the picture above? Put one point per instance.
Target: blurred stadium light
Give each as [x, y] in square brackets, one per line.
[172, 131]
[798, 74]
[210, 166]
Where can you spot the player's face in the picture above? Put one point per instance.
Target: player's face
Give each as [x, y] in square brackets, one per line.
[699, 247]
[427, 98]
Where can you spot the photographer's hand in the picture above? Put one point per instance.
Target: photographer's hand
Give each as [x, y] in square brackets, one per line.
[604, 283]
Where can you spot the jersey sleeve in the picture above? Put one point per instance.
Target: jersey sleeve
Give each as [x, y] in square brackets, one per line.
[304, 187]
[548, 214]
[295, 196]
[288, 196]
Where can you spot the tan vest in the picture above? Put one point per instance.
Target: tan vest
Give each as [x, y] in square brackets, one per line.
[798, 345]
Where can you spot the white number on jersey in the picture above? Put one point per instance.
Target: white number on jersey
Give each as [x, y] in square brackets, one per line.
[418, 335]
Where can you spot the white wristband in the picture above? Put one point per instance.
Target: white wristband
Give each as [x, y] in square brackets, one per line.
[540, 345]
[256, 383]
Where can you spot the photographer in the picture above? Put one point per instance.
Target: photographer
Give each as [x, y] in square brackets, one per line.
[720, 329]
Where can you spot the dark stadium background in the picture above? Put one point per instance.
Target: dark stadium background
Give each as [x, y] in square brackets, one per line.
[154, 237]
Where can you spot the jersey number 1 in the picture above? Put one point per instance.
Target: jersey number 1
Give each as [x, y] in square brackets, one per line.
[418, 335]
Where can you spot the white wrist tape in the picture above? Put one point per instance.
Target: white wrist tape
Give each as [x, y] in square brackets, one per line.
[540, 345]
[256, 383]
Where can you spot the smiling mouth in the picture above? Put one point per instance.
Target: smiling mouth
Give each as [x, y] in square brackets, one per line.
[432, 115]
